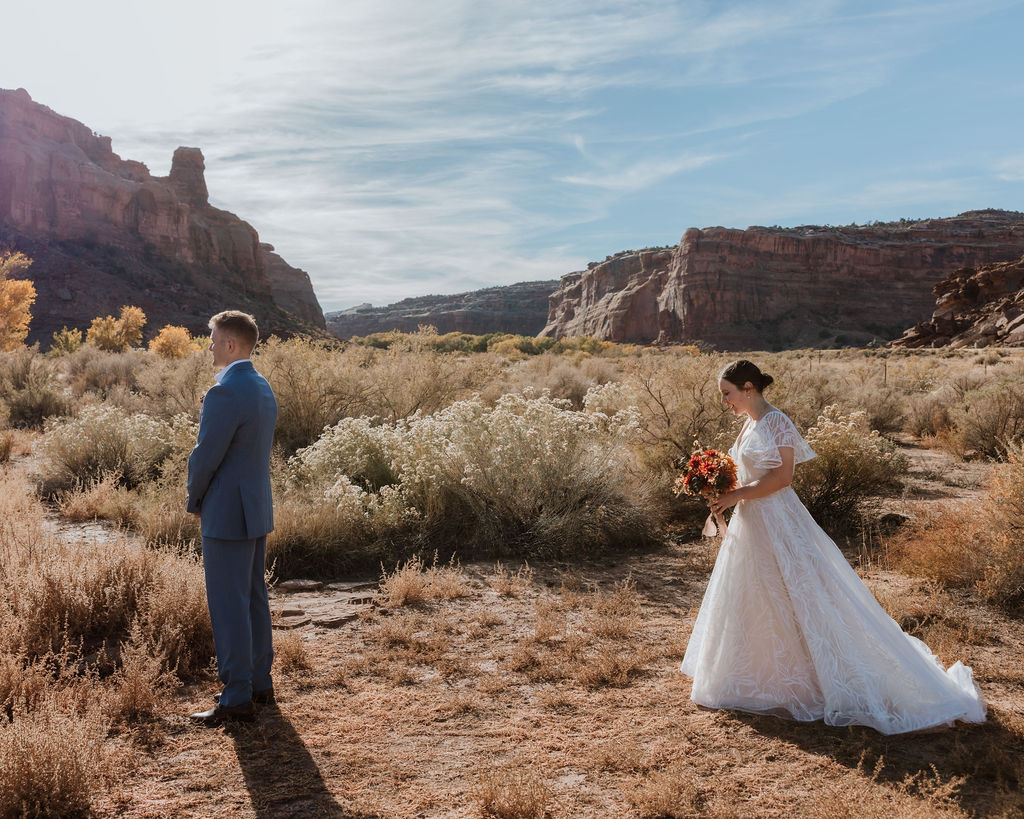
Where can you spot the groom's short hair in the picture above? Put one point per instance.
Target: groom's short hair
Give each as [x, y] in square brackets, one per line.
[241, 325]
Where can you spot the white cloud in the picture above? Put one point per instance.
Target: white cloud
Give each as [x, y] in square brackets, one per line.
[398, 148]
[1011, 168]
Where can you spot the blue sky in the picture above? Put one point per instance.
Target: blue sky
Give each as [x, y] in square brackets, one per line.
[395, 149]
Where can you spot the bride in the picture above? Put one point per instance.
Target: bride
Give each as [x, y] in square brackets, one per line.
[786, 626]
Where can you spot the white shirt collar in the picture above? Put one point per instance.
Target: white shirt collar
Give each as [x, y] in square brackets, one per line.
[219, 377]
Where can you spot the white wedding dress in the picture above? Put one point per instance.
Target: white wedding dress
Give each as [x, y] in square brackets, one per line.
[787, 627]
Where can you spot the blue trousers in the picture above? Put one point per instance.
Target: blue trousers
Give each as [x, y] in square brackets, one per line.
[236, 593]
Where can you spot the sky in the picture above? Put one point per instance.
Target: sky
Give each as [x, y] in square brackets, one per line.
[399, 148]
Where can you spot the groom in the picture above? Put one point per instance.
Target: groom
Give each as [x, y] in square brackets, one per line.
[229, 488]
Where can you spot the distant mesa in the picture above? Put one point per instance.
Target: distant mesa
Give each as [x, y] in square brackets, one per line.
[104, 232]
[516, 308]
[974, 308]
[775, 288]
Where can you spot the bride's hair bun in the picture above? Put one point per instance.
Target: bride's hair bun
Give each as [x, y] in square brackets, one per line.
[742, 371]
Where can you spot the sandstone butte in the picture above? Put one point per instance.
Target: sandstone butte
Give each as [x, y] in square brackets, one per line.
[104, 232]
[774, 288]
[974, 308]
[516, 308]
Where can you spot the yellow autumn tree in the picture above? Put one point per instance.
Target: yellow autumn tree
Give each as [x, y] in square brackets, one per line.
[173, 342]
[16, 299]
[117, 334]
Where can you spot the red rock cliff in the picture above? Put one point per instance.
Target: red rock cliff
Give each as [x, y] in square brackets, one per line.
[763, 288]
[104, 232]
[975, 308]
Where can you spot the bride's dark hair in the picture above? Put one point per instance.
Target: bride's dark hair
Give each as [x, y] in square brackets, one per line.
[742, 371]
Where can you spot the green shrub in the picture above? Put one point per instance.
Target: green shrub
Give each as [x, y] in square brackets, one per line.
[853, 462]
[65, 341]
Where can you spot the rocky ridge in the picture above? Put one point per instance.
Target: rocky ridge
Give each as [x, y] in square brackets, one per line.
[773, 288]
[103, 232]
[517, 308]
[974, 308]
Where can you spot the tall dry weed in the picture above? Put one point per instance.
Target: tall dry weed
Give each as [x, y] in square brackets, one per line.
[51, 761]
[974, 544]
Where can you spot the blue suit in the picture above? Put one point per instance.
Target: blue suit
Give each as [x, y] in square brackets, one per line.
[229, 485]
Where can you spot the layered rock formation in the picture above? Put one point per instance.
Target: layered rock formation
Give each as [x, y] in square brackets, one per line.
[974, 308]
[517, 308]
[771, 288]
[104, 232]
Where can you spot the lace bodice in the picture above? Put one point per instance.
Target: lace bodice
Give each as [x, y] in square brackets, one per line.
[757, 447]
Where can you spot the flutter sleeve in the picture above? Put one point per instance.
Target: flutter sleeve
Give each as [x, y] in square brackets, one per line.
[775, 430]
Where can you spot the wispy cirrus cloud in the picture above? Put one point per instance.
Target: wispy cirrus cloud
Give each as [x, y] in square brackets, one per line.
[400, 148]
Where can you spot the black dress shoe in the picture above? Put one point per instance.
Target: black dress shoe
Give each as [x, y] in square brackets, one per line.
[225, 713]
[264, 697]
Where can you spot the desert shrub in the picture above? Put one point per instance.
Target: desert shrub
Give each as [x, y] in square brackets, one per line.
[516, 793]
[988, 418]
[102, 441]
[927, 413]
[173, 342]
[528, 475]
[315, 387]
[175, 386]
[102, 497]
[409, 377]
[679, 403]
[415, 583]
[30, 390]
[977, 544]
[65, 341]
[853, 461]
[51, 761]
[59, 595]
[91, 370]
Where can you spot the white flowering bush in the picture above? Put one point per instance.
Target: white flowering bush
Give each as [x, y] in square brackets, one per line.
[853, 461]
[528, 474]
[105, 440]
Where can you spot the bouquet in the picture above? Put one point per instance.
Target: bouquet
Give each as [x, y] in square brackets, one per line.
[709, 473]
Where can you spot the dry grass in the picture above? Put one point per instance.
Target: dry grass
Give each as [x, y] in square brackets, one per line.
[52, 761]
[91, 634]
[290, 654]
[676, 793]
[414, 583]
[102, 497]
[513, 794]
[508, 584]
[974, 545]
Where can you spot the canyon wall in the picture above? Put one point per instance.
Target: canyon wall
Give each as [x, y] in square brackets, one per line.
[773, 288]
[104, 232]
[517, 308]
[974, 308]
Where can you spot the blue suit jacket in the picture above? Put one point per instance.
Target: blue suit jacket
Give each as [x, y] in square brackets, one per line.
[229, 469]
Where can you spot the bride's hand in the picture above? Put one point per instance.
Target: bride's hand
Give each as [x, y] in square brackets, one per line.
[725, 500]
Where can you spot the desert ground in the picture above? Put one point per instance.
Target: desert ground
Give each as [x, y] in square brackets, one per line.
[543, 683]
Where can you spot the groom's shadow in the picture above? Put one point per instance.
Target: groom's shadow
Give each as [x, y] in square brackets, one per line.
[281, 775]
[989, 756]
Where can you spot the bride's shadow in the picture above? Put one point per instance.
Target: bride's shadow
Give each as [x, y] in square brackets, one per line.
[989, 756]
[281, 775]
